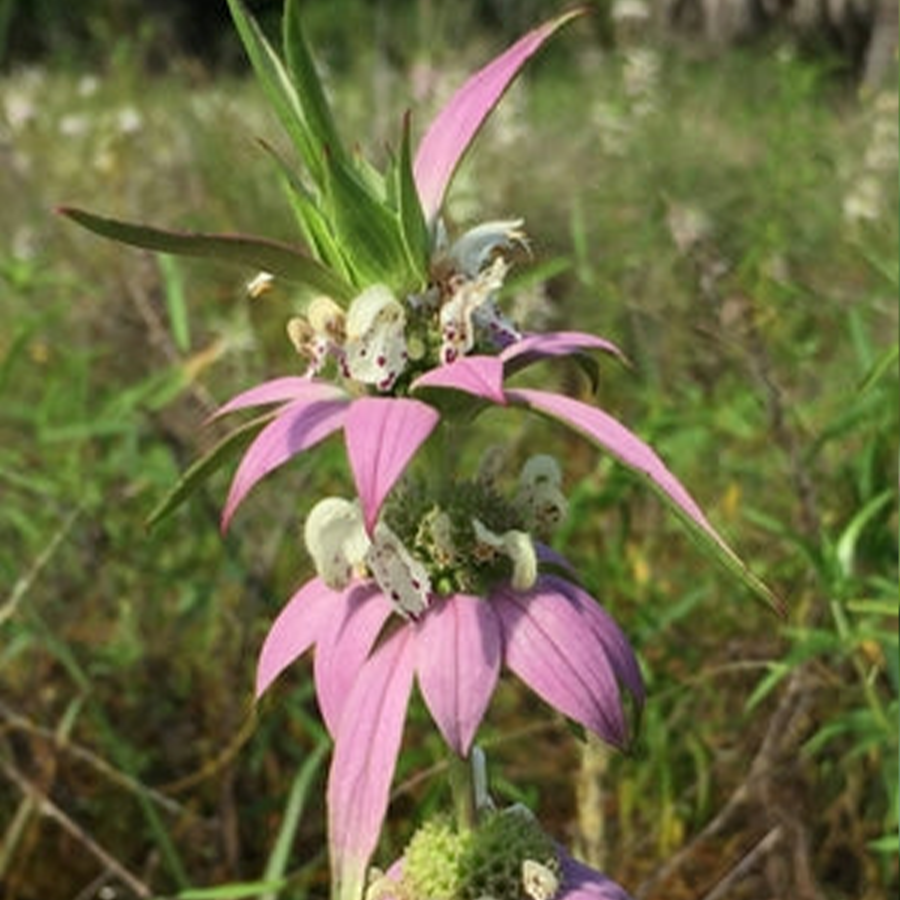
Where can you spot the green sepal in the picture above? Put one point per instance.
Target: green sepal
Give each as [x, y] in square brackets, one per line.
[319, 121]
[414, 228]
[278, 86]
[208, 464]
[279, 259]
[367, 230]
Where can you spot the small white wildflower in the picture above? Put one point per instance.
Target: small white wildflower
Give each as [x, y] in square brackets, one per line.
[401, 577]
[518, 546]
[539, 497]
[321, 332]
[74, 125]
[539, 882]
[375, 348]
[688, 226]
[336, 539]
[458, 315]
[88, 85]
[129, 120]
[630, 10]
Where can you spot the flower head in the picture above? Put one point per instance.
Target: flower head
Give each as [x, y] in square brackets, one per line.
[443, 591]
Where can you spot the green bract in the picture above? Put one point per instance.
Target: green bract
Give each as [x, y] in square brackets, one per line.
[361, 226]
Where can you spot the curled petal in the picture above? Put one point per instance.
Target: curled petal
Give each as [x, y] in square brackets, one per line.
[551, 647]
[459, 315]
[478, 375]
[473, 249]
[518, 546]
[382, 436]
[296, 629]
[297, 427]
[580, 882]
[365, 754]
[281, 390]
[458, 651]
[628, 448]
[534, 347]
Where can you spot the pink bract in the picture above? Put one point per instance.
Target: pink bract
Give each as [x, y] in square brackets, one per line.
[456, 125]
[555, 637]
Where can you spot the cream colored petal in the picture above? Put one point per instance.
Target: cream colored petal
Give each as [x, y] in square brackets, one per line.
[336, 540]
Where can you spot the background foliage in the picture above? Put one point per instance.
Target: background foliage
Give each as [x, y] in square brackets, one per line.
[728, 219]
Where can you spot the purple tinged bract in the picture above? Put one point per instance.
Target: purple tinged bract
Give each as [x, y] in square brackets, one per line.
[555, 637]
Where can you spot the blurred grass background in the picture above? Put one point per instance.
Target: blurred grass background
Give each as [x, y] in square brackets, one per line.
[727, 217]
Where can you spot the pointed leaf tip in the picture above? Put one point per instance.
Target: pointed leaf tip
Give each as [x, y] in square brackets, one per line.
[272, 256]
[456, 125]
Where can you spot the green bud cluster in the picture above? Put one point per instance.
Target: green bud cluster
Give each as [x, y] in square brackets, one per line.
[442, 863]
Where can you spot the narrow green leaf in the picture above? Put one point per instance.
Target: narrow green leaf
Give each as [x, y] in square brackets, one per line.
[278, 258]
[201, 469]
[176, 304]
[319, 121]
[885, 607]
[885, 365]
[293, 812]
[315, 228]
[889, 843]
[279, 89]
[241, 890]
[412, 219]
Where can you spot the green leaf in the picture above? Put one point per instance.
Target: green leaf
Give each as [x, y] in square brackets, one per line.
[885, 607]
[368, 232]
[884, 366]
[293, 812]
[176, 304]
[278, 87]
[235, 891]
[416, 237]
[201, 469]
[280, 259]
[319, 122]
[849, 539]
[316, 229]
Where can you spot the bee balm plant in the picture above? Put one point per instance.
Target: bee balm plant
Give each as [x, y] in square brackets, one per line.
[426, 574]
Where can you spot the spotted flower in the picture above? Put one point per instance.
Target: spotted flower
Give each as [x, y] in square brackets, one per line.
[553, 636]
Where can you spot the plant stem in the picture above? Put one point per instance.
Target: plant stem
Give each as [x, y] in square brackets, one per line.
[462, 789]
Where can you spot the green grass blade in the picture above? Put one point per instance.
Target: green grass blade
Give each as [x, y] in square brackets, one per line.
[278, 87]
[412, 218]
[242, 890]
[119, 752]
[176, 304]
[293, 812]
[319, 121]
